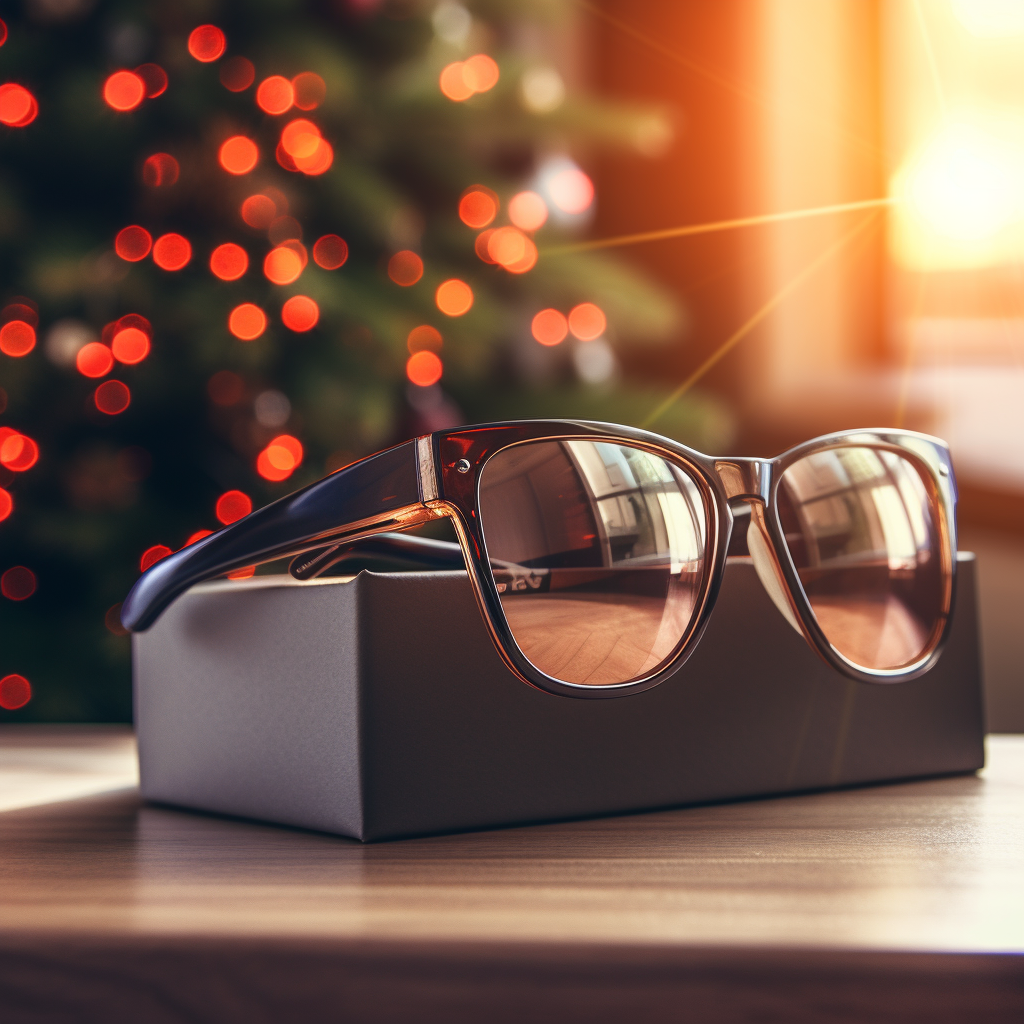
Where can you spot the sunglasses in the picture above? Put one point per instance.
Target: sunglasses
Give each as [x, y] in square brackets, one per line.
[596, 551]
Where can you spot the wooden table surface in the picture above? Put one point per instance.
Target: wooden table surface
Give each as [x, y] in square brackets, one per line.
[902, 902]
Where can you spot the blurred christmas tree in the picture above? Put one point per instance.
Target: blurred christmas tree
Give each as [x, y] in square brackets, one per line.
[243, 244]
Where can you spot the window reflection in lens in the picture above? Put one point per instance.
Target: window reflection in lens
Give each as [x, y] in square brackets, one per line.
[860, 525]
[597, 552]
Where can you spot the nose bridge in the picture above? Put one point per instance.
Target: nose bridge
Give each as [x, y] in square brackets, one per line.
[745, 479]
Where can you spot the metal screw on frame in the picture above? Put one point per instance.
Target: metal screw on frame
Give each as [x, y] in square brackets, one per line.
[463, 466]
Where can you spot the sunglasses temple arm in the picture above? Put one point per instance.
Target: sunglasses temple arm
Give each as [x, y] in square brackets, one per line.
[392, 549]
[371, 495]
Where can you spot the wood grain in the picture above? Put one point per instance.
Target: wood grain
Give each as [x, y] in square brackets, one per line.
[894, 902]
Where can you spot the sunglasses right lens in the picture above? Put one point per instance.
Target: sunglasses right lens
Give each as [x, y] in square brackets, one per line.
[597, 551]
[862, 528]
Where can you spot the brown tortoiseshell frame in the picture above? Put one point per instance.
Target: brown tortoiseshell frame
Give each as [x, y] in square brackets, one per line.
[439, 475]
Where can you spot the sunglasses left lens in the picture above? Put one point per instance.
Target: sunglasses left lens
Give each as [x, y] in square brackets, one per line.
[598, 554]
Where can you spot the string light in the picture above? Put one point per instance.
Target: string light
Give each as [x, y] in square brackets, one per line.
[424, 368]
[405, 268]
[133, 243]
[238, 155]
[17, 338]
[275, 95]
[94, 360]
[247, 321]
[160, 170]
[232, 506]
[280, 458]
[172, 251]
[317, 162]
[112, 397]
[300, 138]
[124, 91]
[207, 43]
[229, 261]
[130, 346]
[454, 297]
[330, 252]
[282, 265]
[18, 453]
[300, 313]
[549, 327]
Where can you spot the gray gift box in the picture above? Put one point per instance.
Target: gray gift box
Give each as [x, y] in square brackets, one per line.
[377, 707]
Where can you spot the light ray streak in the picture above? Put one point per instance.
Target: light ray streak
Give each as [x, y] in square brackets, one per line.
[753, 321]
[933, 64]
[750, 95]
[711, 227]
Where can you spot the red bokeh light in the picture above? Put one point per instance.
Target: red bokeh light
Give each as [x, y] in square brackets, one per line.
[130, 345]
[198, 535]
[133, 243]
[172, 252]
[247, 322]
[225, 388]
[18, 453]
[3, 32]
[478, 206]
[424, 338]
[153, 555]
[232, 506]
[237, 74]
[18, 583]
[480, 246]
[133, 320]
[527, 211]
[587, 321]
[17, 338]
[405, 268]
[310, 90]
[512, 249]
[112, 397]
[112, 620]
[154, 78]
[550, 327]
[284, 229]
[229, 261]
[275, 95]
[283, 265]
[124, 90]
[300, 138]
[20, 309]
[280, 458]
[330, 252]
[206, 43]
[238, 155]
[15, 692]
[318, 162]
[18, 107]
[284, 159]
[94, 360]
[6, 504]
[242, 574]
[160, 170]
[454, 297]
[300, 313]
[424, 368]
[259, 211]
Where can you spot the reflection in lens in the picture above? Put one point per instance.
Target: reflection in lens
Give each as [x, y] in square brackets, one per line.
[597, 552]
[862, 530]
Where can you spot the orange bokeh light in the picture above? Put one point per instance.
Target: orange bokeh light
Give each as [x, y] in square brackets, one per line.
[318, 162]
[527, 262]
[153, 555]
[330, 252]
[527, 211]
[18, 453]
[283, 265]
[242, 574]
[405, 268]
[232, 506]
[310, 90]
[160, 170]
[229, 261]
[478, 206]
[512, 249]
[300, 138]
[18, 106]
[455, 83]
[6, 504]
[587, 321]
[424, 368]
[206, 43]
[549, 327]
[124, 90]
[424, 338]
[483, 240]
[112, 397]
[130, 346]
[237, 74]
[280, 458]
[172, 251]
[258, 211]
[247, 322]
[275, 95]
[571, 190]
[300, 313]
[154, 78]
[454, 297]
[94, 360]
[225, 388]
[133, 243]
[15, 691]
[238, 155]
[483, 72]
[198, 535]
[17, 338]
[18, 583]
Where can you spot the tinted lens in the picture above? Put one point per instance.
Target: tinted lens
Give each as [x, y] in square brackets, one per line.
[597, 552]
[863, 532]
